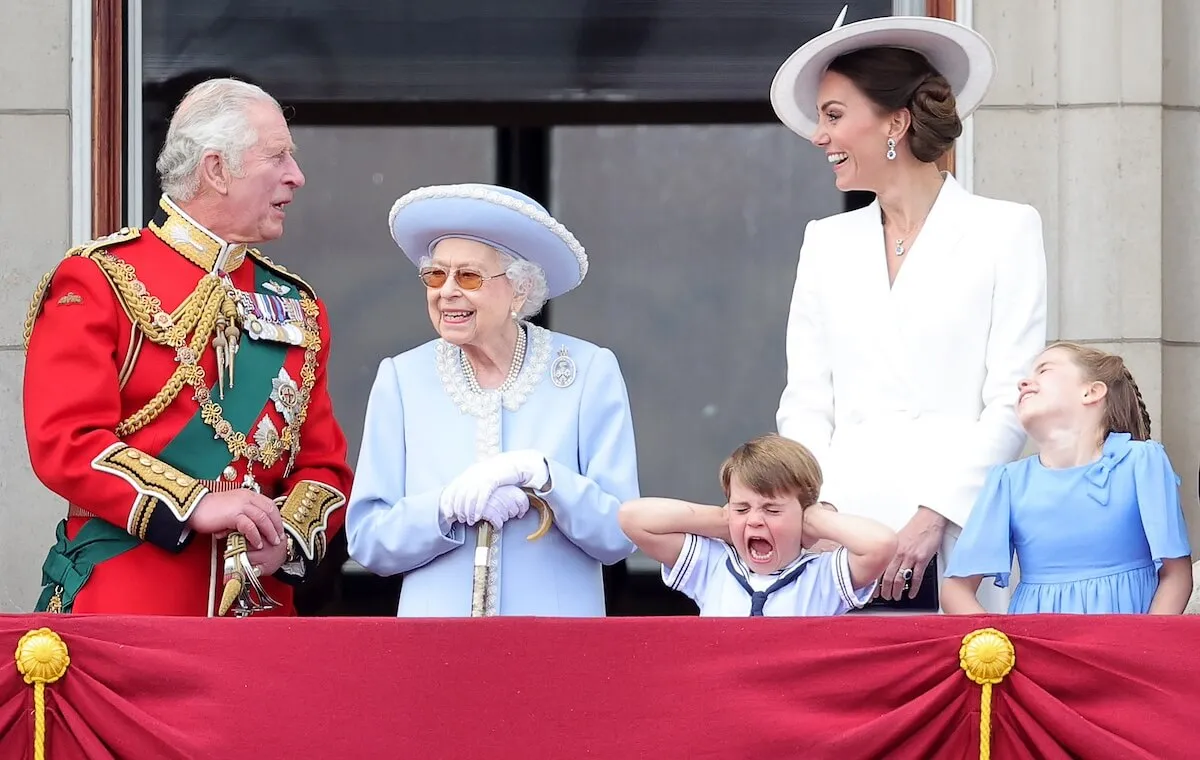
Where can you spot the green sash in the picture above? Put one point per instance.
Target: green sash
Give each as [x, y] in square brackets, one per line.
[70, 563]
[195, 451]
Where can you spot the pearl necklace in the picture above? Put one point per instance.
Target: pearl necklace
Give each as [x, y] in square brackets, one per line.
[517, 361]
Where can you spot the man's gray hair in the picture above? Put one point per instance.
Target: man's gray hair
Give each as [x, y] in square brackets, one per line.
[211, 117]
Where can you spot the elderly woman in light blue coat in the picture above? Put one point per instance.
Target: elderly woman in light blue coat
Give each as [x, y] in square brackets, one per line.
[463, 431]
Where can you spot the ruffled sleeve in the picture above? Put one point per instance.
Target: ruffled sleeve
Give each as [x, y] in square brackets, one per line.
[985, 547]
[1157, 488]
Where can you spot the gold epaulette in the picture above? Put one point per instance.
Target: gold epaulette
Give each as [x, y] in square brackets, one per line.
[279, 269]
[87, 250]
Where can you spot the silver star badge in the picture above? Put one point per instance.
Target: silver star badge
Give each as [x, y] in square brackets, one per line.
[286, 395]
[265, 435]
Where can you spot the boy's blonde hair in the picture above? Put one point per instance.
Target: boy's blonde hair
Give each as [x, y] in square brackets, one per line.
[775, 466]
[1124, 408]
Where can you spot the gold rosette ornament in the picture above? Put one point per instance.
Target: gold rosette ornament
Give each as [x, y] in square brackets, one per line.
[42, 658]
[987, 656]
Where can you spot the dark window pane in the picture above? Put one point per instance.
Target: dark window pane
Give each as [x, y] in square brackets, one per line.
[693, 235]
[337, 239]
[484, 50]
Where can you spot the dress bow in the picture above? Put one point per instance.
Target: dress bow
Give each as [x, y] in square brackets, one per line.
[1116, 448]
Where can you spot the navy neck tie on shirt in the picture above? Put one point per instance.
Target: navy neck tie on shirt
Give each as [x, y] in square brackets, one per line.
[758, 599]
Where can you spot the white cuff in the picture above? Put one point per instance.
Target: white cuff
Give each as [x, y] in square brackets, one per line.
[855, 599]
[677, 576]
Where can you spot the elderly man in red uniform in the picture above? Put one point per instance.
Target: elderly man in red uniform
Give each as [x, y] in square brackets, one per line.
[175, 387]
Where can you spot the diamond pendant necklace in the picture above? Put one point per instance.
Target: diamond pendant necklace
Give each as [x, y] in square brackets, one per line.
[899, 249]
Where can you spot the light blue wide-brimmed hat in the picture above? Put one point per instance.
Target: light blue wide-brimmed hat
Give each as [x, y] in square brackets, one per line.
[497, 216]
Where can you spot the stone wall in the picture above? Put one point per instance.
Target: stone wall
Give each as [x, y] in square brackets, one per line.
[1095, 120]
[35, 229]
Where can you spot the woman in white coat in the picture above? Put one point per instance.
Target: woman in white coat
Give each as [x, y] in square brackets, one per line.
[914, 318]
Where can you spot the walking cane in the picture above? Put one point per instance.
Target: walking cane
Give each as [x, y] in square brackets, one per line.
[482, 579]
[483, 584]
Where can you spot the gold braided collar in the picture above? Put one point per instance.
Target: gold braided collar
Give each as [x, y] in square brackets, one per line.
[192, 240]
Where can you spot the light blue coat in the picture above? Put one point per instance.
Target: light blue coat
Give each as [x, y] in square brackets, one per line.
[424, 426]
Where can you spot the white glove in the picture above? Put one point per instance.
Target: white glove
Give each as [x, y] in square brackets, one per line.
[447, 509]
[467, 495]
[506, 503]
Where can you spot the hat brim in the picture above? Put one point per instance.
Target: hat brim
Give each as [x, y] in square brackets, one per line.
[958, 53]
[426, 216]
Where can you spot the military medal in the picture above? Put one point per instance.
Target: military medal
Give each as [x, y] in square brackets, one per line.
[286, 395]
[273, 317]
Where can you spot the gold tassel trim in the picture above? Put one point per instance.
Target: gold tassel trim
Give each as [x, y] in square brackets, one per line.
[42, 658]
[987, 656]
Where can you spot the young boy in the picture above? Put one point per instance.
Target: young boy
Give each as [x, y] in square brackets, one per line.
[748, 557]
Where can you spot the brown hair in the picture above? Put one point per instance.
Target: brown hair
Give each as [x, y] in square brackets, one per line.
[1124, 408]
[775, 466]
[894, 79]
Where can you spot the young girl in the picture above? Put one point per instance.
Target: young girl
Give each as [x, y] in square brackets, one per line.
[1094, 517]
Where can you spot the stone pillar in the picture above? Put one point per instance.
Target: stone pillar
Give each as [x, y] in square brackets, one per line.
[35, 189]
[1181, 245]
[1095, 120]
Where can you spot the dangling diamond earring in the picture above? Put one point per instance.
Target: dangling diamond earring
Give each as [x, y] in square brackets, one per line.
[891, 154]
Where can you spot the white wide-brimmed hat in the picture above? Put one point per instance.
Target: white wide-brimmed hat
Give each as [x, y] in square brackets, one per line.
[497, 216]
[958, 53]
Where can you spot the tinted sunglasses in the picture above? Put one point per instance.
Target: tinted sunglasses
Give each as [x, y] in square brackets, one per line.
[467, 279]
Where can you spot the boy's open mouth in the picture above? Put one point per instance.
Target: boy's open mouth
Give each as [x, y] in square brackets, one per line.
[760, 549]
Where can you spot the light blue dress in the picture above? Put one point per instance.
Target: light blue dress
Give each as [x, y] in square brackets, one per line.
[1089, 539]
[425, 425]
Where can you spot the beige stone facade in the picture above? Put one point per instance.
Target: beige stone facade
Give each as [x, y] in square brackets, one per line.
[35, 229]
[1094, 119]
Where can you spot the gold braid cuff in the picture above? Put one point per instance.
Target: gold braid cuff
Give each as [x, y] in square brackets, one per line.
[306, 512]
[157, 483]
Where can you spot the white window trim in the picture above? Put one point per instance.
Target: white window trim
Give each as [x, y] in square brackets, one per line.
[964, 149]
[81, 121]
[134, 149]
[908, 7]
[964, 146]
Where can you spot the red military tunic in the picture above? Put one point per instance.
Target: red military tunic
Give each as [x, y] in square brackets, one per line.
[107, 393]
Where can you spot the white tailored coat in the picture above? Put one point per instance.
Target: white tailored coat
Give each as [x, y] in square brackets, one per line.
[906, 393]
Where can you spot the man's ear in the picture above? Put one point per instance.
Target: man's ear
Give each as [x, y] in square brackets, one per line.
[214, 172]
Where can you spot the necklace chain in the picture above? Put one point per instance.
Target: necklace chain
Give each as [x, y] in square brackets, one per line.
[900, 250]
[514, 369]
